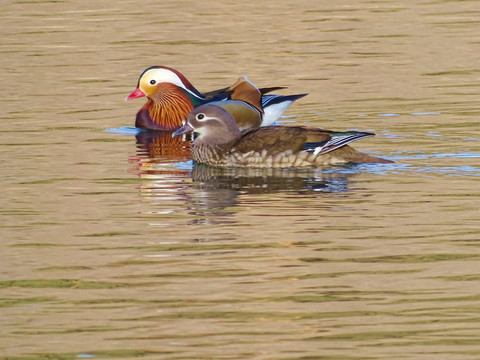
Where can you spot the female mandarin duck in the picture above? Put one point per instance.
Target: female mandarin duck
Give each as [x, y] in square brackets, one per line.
[171, 97]
[221, 143]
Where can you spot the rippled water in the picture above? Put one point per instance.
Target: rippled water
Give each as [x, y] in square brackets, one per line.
[115, 246]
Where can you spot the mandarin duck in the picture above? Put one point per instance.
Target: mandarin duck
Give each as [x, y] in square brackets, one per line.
[221, 143]
[171, 97]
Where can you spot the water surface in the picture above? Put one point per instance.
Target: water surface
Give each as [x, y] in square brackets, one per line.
[115, 246]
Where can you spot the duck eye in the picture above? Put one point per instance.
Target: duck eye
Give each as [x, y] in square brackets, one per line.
[200, 116]
[152, 82]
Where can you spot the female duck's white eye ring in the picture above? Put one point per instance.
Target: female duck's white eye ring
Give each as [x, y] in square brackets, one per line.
[152, 82]
[200, 116]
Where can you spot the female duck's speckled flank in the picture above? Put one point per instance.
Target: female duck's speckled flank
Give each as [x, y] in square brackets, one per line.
[221, 143]
[171, 97]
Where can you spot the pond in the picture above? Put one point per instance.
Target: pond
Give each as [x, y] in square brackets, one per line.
[114, 245]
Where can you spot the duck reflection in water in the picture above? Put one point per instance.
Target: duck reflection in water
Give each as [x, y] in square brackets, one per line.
[217, 189]
[211, 193]
[267, 180]
[160, 147]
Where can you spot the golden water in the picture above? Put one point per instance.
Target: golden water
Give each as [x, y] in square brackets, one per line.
[111, 248]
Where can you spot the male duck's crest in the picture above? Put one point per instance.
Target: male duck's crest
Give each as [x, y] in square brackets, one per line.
[171, 97]
[221, 143]
[151, 77]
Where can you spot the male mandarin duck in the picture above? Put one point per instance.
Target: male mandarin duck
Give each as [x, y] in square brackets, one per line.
[221, 143]
[171, 97]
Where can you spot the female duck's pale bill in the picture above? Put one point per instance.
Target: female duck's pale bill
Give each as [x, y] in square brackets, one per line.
[220, 142]
[171, 97]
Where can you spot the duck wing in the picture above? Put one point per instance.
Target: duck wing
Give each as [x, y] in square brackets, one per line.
[273, 140]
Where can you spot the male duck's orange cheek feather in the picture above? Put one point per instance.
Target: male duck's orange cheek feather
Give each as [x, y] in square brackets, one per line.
[166, 115]
[170, 115]
[136, 94]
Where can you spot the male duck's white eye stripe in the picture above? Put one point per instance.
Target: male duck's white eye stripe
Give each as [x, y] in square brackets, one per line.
[164, 75]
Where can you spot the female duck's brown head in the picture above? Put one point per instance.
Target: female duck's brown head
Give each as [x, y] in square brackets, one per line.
[213, 125]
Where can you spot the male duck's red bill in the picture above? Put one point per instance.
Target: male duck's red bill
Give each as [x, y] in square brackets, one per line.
[136, 94]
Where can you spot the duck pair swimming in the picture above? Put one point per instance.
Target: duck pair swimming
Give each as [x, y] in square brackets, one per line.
[233, 124]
